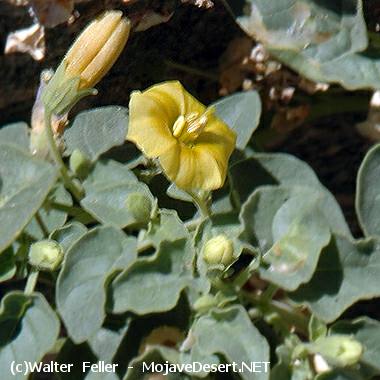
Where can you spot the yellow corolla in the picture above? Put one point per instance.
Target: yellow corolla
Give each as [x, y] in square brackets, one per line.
[193, 145]
[97, 48]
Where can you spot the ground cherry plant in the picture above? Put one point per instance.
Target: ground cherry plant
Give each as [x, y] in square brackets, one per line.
[156, 233]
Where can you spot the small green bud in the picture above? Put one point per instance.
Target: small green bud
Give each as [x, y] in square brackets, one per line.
[338, 350]
[79, 164]
[45, 255]
[204, 303]
[218, 251]
[140, 206]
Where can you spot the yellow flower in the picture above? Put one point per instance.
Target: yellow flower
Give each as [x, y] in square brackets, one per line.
[97, 48]
[88, 60]
[191, 143]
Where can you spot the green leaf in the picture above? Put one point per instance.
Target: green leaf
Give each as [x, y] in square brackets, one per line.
[101, 376]
[16, 134]
[348, 271]
[167, 227]
[25, 182]
[105, 342]
[241, 112]
[107, 189]
[176, 193]
[7, 265]
[301, 236]
[262, 223]
[29, 329]
[51, 217]
[140, 328]
[285, 170]
[340, 374]
[368, 193]
[96, 131]
[75, 354]
[88, 266]
[323, 41]
[367, 332]
[231, 333]
[317, 329]
[67, 235]
[154, 284]
[285, 369]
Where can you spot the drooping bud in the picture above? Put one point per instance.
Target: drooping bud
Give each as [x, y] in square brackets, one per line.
[87, 61]
[140, 206]
[218, 251]
[46, 255]
[337, 350]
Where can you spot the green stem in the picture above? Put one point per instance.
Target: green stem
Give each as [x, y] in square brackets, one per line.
[269, 292]
[76, 212]
[292, 317]
[41, 224]
[201, 204]
[246, 274]
[69, 184]
[192, 225]
[31, 282]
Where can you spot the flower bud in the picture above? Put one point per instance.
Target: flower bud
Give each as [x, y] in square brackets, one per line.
[87, 61]
[79, 164]
[140, 206]
[204, 303]
[218, 251]
[45, 255]
[338, 350]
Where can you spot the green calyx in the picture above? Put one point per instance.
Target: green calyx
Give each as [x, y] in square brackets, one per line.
[46, 255]
[61, 93]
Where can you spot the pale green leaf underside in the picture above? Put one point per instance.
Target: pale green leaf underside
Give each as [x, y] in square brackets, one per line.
[29, 329]
[81, 293]
[25, 182]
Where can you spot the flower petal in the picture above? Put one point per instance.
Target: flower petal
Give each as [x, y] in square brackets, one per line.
[149, 125]
[174, 95]
[192, 168]
[90, 41]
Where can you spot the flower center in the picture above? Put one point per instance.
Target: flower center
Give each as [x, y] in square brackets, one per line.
[188, 128]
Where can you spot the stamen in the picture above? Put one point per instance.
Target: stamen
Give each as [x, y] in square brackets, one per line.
[188, 128]
[179, 126]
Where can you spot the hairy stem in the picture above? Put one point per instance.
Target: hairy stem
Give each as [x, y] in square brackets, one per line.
[41, 224]
[288, 314]
[31, 281]
[69, 184]
[201, 204]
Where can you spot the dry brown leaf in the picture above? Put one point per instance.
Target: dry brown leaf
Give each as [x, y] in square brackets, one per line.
[165, 335]
[30, 40]
[233, 65]
[371, 127]
[18, 3]
[149, 19]
[51, 13]
[288, 119]
[38, 144]
[207, 4]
